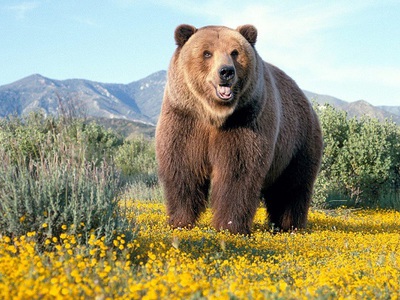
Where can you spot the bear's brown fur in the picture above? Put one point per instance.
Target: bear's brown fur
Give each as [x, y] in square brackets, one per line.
[234, 129]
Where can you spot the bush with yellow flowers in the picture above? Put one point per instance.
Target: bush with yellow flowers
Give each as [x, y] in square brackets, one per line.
[343, 254]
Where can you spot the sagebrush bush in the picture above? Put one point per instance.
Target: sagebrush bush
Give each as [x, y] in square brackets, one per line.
[26, 135]
[58, 175]
[361, 160]
[137, 161]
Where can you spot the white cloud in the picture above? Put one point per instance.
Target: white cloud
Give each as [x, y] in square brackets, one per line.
[21, 10]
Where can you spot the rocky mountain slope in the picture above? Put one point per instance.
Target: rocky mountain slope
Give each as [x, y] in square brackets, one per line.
[358, 108]
[137, 101]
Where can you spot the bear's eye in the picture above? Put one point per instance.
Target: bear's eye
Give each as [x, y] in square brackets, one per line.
[235, 53]
[207, 54]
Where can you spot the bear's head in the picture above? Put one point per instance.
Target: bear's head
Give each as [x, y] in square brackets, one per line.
[217, 64]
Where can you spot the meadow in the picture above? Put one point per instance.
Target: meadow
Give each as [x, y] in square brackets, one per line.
[343, 254]
[82, 217]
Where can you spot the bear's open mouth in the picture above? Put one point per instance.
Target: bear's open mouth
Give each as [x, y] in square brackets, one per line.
[224, 92]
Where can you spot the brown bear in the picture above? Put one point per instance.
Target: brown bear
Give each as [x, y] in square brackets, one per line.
[234, 129]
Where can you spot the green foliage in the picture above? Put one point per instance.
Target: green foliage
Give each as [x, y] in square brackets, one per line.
[137, 160]
[36, 132]
[361, 160]
[142, 190]
[57, 173]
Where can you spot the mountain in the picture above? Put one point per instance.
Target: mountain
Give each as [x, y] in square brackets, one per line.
[358, 108]
[138, 101]
[395, 110]
[361, 107]
[322, 99]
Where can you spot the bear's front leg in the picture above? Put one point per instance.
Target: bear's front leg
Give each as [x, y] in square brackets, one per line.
[186, 198]
[234, 206]
[237, 176]
[183, 169]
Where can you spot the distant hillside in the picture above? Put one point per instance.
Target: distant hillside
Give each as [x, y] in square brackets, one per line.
[322, 99]
[362, 107]
[395, 110]
[358, 108]
[136, 102]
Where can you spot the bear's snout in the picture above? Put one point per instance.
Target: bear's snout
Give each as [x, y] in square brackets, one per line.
[227, 73]
[227, 78]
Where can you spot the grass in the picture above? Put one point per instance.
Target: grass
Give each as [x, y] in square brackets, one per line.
[344, 254]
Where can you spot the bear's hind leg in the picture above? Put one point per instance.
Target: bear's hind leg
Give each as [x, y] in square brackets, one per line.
[288, 207]
[289, 198]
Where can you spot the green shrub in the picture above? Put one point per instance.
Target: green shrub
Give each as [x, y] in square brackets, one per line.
[361, 161]
[34, 131]
[56, 175]
[137, 161]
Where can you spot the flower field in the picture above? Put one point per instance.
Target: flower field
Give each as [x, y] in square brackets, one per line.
[343, 254]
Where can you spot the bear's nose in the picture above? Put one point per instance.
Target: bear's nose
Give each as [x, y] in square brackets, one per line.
[227, 73]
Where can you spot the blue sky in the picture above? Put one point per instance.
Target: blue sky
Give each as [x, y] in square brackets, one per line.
[347, 49]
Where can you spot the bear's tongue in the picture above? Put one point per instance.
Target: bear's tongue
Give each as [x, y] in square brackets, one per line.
[225, 92]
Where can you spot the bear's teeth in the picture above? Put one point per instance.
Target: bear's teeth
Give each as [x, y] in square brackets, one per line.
[225, 91]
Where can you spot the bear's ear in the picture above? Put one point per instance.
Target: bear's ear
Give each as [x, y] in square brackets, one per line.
[249, 32]
[183, 33]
